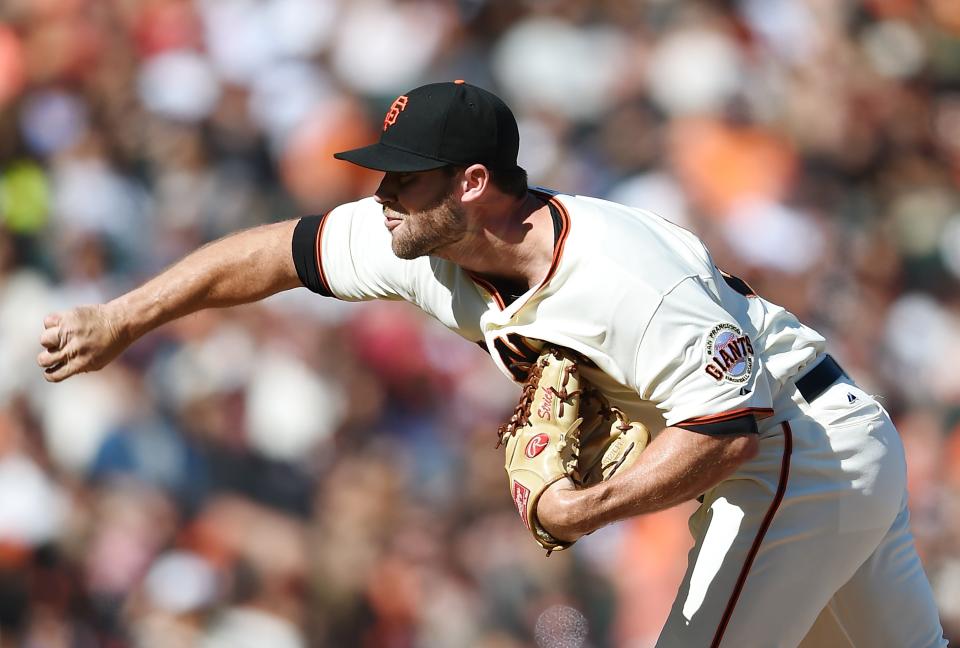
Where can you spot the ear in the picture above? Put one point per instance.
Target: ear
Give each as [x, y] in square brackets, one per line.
[475, 183]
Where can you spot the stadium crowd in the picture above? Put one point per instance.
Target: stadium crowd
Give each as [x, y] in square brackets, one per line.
[308, 473]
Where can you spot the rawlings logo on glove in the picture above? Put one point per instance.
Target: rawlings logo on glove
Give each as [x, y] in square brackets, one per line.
[575, 433]
[521, 495]
[536, 445]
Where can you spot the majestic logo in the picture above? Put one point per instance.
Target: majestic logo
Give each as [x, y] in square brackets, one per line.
[729, 354]
[395, 109]
[546, 406]
[536, 445]
[521, 495]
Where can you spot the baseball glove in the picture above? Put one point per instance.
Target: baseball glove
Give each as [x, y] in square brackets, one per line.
[563, 427]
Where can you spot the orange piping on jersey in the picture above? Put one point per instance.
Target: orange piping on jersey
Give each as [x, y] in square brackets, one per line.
[513, 358]
[526, 345]
[490, 288]
[761, 532]
[323, 275]
[528, 353]
[507, 342]
[561, 240]
[554, 263]
[759, 412]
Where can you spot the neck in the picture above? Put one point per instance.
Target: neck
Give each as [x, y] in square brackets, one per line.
[509, 239]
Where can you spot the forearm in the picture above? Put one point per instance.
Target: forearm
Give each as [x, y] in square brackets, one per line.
[241, 268]
[676, 467]
[238, 269]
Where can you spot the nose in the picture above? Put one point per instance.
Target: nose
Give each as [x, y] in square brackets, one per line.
[386, 192]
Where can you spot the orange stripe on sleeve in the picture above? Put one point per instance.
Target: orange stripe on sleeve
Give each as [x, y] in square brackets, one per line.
[319, 255]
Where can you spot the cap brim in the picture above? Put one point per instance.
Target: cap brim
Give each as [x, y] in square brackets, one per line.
[386, 158]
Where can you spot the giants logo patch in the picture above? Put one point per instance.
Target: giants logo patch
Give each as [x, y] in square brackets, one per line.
[395, 109]
[728, 354]
[536, 445]
[521, 495]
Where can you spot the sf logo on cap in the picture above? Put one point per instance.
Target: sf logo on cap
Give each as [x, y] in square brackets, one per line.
[395, 109]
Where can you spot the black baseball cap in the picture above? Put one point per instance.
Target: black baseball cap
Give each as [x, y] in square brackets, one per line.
[442, 124]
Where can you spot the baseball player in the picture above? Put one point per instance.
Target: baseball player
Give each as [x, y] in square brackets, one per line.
[800, 473]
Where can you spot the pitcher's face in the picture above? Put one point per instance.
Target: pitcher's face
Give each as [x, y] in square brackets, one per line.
[421, 211]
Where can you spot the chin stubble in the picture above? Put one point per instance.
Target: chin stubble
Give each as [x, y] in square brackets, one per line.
[422, 233]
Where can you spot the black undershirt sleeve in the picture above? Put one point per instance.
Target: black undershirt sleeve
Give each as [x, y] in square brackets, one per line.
[746, 424]
[305, 254]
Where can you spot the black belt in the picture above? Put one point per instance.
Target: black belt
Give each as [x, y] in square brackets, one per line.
[816, 381]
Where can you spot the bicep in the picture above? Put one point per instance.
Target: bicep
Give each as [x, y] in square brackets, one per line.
[677, 466]
[246, 266]
[695, 462]
[278, 240]
[723, 451]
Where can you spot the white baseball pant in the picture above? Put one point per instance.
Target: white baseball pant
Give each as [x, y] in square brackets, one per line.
[814, 529]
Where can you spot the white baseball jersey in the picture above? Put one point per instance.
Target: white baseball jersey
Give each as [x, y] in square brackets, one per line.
[672, 339]
[810, 538]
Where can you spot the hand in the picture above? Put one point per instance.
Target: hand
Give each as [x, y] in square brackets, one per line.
[557, 510]
[79, 340]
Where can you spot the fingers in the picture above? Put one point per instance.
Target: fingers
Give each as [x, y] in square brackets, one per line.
[58, 365]
[58, 372]
[47, 359]
[50, 338]
[76, 341]
[53, 359]
[54, 364]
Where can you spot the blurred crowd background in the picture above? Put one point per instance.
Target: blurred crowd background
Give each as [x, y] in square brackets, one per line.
[308, 473]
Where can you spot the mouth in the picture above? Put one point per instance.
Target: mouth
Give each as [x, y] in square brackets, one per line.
[391, 219]
[391, 223]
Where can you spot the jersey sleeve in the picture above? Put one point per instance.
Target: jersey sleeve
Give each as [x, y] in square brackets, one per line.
[346, 253]
[698, 365]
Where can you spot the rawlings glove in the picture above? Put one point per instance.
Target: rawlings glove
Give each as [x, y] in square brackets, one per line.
[563, 427]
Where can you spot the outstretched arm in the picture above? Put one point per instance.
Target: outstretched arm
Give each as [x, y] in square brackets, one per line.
[238, 269]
